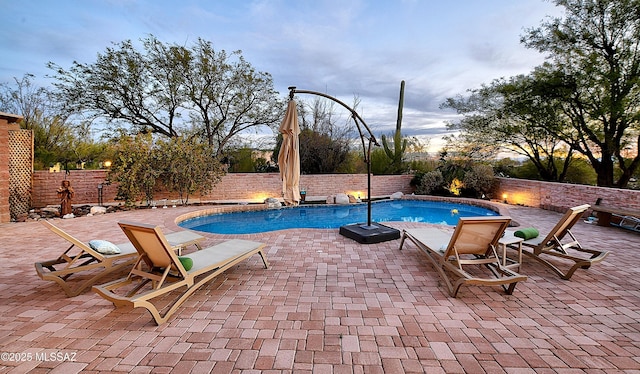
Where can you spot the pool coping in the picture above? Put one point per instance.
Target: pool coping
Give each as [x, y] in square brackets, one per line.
[497, 207]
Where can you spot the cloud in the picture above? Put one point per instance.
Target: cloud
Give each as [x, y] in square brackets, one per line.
[345, 49]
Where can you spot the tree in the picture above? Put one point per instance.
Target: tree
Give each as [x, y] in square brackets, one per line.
[324, 144]
[585, 99]
[380, 162]
[516, 116]
[170, 89]
[56, 139]
[186, 166]
[321, 154]
[240, 160]
[594, 57]
[181, 164]
[134, 168]
[25, 99]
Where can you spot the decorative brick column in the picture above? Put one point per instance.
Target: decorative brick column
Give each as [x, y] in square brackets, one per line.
[8, 122]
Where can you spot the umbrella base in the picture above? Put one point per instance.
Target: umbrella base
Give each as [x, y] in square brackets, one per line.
[369, 234]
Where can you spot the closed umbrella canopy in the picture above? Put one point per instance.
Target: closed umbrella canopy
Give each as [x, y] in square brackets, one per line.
[289, 156]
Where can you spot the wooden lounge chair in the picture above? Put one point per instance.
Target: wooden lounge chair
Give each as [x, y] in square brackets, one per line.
[561, 243]
[629, 222]
[158, 271]
[473, 242]
[82, 262]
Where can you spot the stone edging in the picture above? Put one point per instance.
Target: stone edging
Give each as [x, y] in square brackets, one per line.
[496, 207]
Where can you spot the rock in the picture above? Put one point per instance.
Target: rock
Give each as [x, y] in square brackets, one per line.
[67, 216]
[51, 211]
[98, 210]
[81, 210]
[48, 212]
[397, 196]
[273, 203]
[331, 199]
[352, 199]
[342, 199]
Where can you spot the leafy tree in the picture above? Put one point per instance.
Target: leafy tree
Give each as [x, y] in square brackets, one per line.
[422, 165]
[25, 99]
[513, 116]
[240, 160]
[181, 164]
[453, 167]
[56, 139]
[169, 89]
[52, 143]
[320, 154]
[324, 144]
[457, 176]
[505, 167]
[354, 163]
[585, 99]
[594, 57]
[134, 168]
[578, 172]
[186, 166]
[581, 172]
[262, 165]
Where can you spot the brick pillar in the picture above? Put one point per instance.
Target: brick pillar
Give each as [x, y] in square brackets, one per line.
[7, 122]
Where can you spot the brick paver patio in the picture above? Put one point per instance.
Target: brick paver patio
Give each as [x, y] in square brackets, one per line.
[326, 305]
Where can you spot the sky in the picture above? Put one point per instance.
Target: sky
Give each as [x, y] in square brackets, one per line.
[343, 48]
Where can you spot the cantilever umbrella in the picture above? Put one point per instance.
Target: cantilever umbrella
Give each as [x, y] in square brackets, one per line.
[289, 156]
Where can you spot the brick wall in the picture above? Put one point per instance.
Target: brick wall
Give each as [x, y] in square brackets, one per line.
[253, 187]
[84, 183]
[560, 196]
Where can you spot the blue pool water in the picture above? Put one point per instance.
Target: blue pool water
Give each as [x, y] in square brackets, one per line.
[333, 216]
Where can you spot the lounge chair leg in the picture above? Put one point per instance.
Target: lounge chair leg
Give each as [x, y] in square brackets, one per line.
[138, 287]
[402, 241]
[264, 259]
[453, 290]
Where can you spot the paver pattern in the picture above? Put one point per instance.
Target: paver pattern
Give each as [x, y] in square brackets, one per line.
[327, 304]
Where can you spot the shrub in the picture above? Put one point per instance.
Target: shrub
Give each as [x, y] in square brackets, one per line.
[134, 168]
[187, 166]
[431, 183]
[479, 180]
[182, 165]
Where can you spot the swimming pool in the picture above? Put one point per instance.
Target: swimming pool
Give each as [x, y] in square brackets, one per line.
[333, 216]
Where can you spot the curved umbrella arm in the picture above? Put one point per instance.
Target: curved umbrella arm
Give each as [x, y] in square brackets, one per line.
[356, 118]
